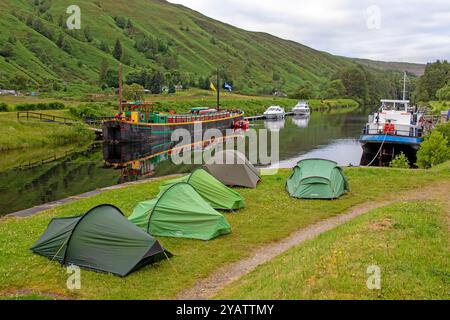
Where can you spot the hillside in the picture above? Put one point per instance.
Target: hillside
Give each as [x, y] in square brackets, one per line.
[38, 52]
[416, 69]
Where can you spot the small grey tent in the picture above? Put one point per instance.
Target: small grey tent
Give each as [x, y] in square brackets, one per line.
[317, 179]
[232, 168]
[101, 240]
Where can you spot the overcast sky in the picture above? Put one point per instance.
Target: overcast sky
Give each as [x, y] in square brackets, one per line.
[389, 30]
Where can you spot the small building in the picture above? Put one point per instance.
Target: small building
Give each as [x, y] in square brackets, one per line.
[8, 92]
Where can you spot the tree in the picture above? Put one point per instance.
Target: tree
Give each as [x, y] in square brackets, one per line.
[433, 151]
[7, 50]
[304, 91]
[62, 43]
[103, 72]
[112, 78]
[172, 88]
[121, 22]
[12, 39]
[129, 24]
[125, 58]
[104, 46]
[157, 82]
[355, 82]
[436, 76]
[88, 34]
[19, 82]
[117, 52]
[443, 93]
[133, 92]
[333, 90]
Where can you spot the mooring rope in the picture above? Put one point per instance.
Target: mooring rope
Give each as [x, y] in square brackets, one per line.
[381, 147]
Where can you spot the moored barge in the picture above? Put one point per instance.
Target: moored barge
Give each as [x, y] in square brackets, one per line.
[138, 122]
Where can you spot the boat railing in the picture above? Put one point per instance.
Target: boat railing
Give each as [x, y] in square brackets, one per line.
[412, 132]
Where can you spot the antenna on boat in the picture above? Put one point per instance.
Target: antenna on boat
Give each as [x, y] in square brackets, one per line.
[120, 88]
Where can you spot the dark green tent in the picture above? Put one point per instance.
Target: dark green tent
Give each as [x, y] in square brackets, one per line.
[218, 195]
[102, 240]
[180, 212]
[317, 179]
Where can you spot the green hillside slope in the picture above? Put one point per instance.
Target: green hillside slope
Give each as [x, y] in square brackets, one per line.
[38, 51]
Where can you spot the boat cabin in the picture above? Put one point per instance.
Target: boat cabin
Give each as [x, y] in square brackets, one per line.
[395, 111]
[395, 117]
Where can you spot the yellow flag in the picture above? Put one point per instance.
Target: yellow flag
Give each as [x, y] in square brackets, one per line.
[213, 87]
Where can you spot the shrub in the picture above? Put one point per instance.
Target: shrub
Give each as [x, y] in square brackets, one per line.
[433, 151]
[88, 110]
[3, 107]
[445, 130]
[40, 106]
[400, 162]
[56, 106]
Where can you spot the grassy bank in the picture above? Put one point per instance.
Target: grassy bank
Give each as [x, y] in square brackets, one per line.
[22, 134]
[183, 101]
[408, 241]
[270, 215]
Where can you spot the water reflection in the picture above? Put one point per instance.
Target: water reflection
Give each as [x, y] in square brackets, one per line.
[274, 125]
[301, 121]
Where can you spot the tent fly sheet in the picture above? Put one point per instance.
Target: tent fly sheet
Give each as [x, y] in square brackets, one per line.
[180, 212]
[218, 195]
[102, 240]
[317, 179]
[232, 168]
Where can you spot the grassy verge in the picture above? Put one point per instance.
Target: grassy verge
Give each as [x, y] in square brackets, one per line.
[408, 241]
[270, 215]
[16, 134]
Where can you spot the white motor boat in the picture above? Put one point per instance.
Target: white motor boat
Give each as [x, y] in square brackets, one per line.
[302, 109]
[275, 112]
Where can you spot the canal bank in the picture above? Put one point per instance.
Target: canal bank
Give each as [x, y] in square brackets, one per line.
[250, 230]
[331, 133]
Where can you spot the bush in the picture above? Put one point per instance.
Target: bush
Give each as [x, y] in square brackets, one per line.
[88, 110]
[400, 162]
[433, 151]
[445, 130]
[40, 106]
[3, 107]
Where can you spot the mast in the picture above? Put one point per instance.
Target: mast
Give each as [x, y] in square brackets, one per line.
[404, 86]
[218, 91]
[120, 88]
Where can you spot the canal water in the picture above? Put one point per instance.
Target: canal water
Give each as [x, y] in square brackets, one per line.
[329, 135]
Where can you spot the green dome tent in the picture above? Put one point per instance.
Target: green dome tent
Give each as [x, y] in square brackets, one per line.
[218, 195]
[101, 240]
[317, 179]
[180, 212]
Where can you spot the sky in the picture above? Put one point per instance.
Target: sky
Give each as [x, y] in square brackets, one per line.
[387, 30]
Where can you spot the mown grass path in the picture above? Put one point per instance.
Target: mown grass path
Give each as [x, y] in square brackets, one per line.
[210, 286]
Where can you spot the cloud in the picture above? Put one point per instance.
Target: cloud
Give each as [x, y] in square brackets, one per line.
[389, 30]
